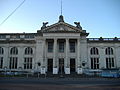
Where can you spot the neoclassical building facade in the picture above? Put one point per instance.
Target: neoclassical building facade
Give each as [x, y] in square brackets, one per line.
[57, 48]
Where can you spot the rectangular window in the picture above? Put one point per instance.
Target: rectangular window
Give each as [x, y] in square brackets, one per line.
[94, 63]
[1, 62]
[28, 63]
[72, 47]
[15, 36]
[50, 46]
[13, 63]
[61, 47]
[29, 36]
[2, 36]
[110, 63]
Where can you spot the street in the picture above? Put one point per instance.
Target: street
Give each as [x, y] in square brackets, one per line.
[22, 83]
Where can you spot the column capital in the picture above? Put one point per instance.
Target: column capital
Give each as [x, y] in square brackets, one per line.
[78, 38]
[67, 39]
[55, 38]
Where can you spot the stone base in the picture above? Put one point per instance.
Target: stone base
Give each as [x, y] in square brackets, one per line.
[55, 70]
[67, 70]
[79, 71]
[43, 71]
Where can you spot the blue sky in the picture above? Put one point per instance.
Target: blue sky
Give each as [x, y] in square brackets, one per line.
[98, 17]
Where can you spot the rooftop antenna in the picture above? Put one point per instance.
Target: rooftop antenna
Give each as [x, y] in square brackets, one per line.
[61, 7]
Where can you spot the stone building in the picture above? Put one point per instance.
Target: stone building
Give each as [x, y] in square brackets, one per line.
[60, 47]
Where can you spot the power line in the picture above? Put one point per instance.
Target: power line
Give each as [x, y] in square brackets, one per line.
[12, 12]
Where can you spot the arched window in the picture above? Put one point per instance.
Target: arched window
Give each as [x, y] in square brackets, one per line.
[94, 51]
[28, 50]
[1, 50]
[109, 51]
[14, 51]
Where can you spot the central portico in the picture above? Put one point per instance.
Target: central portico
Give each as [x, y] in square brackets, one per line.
[61, 51]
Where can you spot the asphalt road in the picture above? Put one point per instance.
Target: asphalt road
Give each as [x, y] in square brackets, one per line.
[59, 83]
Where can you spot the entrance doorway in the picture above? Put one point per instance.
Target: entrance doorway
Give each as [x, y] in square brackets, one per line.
[50, 65]
[61, 65]
[72, 65]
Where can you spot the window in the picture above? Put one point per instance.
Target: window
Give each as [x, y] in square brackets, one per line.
[94, 51]
[28, 51]
[14, 36]
[1, 62]
[14, 51]
[110, 63]
[50, 46]
[2, 36]
[29, 36]
[61, 46]
[1, 50]
[28, 63]
[13, 63]
[72, 47]
[109, 51]
[17, 36]
[94, 63]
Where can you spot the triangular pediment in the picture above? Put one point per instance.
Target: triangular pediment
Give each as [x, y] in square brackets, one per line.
[60, 27]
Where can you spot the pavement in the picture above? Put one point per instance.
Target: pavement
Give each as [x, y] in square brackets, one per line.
[22, 83]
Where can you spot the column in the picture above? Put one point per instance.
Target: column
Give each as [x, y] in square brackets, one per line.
[43, 70]
[66, 52]
[79, 65]
[67, 67]
[78, 53]
[55, 68]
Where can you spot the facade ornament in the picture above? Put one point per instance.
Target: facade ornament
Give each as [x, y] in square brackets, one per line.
[44, 25]
[78, 25]
[61, 18]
